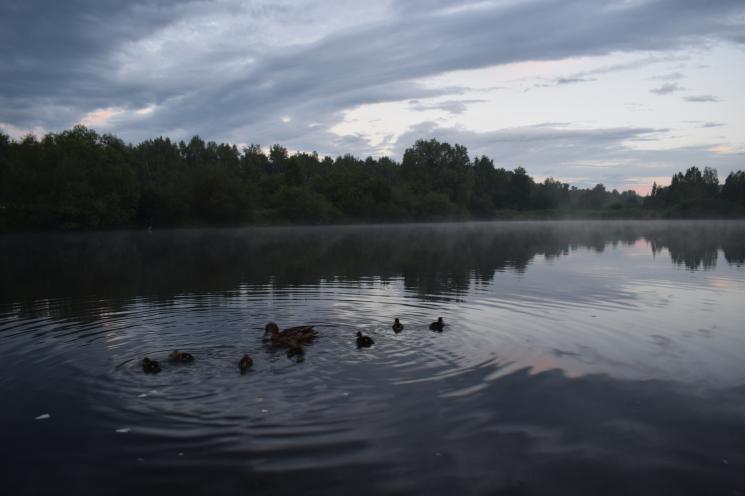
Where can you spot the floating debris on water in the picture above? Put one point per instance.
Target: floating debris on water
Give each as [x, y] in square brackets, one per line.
[43, 416]
[143, 395]
[123, 430]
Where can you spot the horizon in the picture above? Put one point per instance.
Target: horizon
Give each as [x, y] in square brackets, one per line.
[622, 94]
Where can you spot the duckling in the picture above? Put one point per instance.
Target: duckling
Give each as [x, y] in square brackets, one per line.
[245, 363]
[181, 356]
[397, 326]
[437, 325]
[364, 341]
[150, 366]
[298, 335]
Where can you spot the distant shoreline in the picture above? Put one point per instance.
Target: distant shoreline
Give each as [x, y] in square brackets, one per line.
[81, 180]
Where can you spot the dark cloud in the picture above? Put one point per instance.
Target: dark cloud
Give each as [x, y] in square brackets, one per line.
[56, 52]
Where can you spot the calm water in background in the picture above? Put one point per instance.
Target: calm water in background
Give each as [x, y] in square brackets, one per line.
[580, 358]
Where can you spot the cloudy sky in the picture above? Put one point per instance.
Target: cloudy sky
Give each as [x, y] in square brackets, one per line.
[621, 92]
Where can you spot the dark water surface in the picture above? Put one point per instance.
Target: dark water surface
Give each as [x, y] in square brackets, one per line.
[579, 358]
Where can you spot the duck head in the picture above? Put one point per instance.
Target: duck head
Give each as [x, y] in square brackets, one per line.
[271, 328]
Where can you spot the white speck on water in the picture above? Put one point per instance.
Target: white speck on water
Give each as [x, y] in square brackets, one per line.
[154, 391]
[264, 411]
[346, 394]
[44, 416]
[181, 453]
[123, 430]
[143, 395]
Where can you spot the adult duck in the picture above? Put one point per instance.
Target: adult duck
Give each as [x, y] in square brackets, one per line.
[292, 336]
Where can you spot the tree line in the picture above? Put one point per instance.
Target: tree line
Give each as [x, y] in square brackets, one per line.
[79, 178]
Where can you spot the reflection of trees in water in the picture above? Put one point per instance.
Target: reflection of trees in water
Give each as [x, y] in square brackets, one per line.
[699, 248]
[438, 260]
[693, 251]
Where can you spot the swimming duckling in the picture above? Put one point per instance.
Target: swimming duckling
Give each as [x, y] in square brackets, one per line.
[364, 341]
[437, 325]
[297, 335]
[398, 326]
[245, 363]
[181, 356]
[150, 366]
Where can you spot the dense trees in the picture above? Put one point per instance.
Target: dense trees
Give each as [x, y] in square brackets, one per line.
[698, 192]
[80, 179]
[72, 179]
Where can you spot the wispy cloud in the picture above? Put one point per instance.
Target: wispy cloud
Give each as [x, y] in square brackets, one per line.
[562, 81]
[450, 106]
[666, 89]
[671, 76]
[701, 98]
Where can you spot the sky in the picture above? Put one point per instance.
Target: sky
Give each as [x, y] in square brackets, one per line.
[622, 92]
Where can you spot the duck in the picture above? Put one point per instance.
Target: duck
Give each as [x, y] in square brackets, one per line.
[292, 336]
[437, 325]
[397, 326]
[364, 341]
[245, 363]
[181, 356]
[150, 366]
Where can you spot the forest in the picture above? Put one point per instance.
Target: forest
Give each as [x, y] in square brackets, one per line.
[80, 179]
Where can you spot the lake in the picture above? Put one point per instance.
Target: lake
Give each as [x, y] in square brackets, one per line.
[577, 358]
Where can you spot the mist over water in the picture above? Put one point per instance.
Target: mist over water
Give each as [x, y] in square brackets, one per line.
[578, 358]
